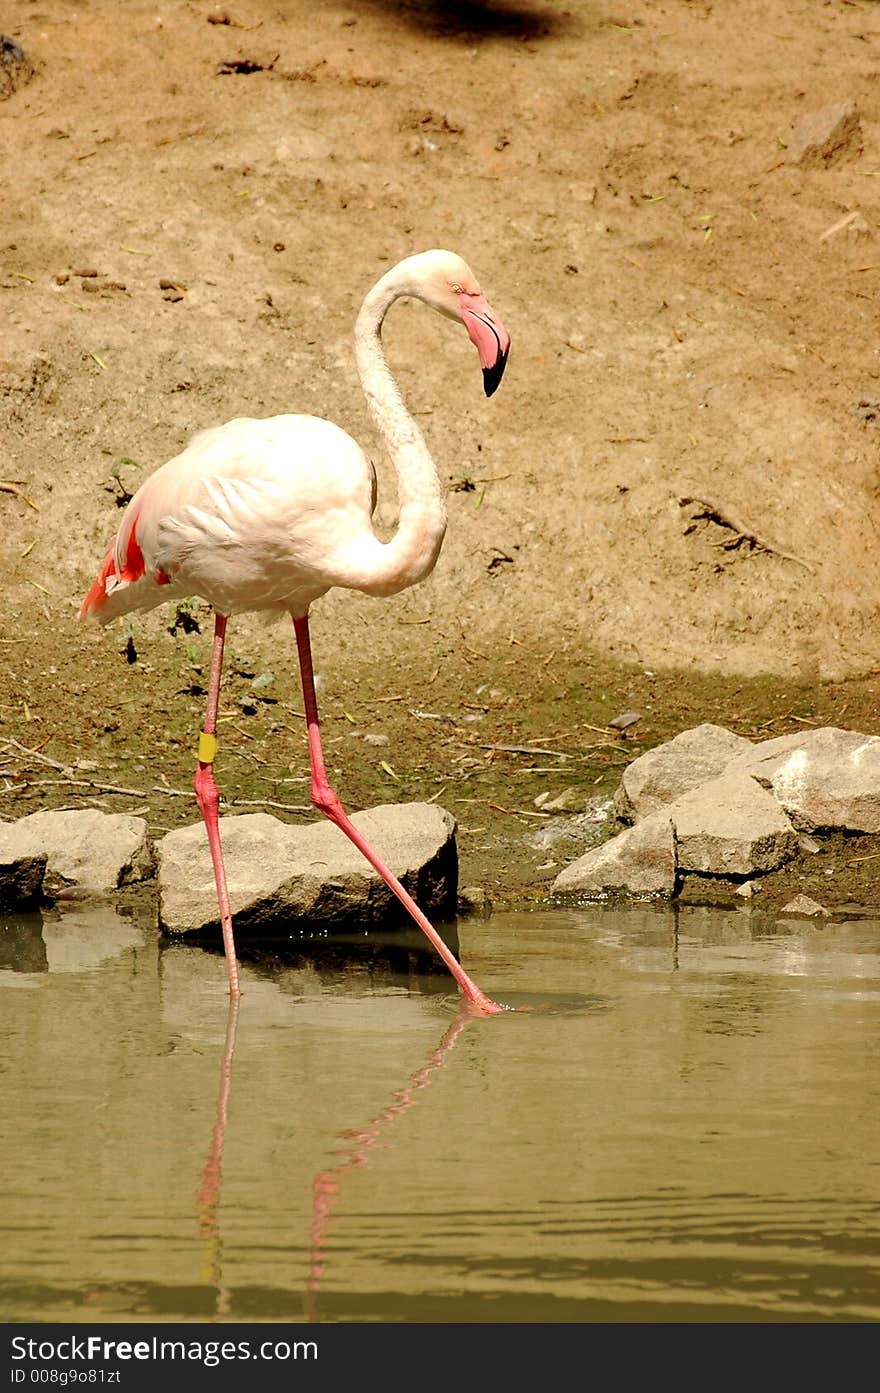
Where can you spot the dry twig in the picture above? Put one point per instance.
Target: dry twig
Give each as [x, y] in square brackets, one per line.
[84, 783]
[725, 517]
[235, 802]
[268, 803]
[7, 486]
[523, 750]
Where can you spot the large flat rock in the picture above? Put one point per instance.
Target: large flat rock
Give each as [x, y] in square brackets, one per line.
[287, 877]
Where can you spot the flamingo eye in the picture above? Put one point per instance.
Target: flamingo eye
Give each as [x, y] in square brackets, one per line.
[456, 288]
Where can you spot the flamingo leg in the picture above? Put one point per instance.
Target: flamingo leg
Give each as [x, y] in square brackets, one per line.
[208, 798]
[326, 801]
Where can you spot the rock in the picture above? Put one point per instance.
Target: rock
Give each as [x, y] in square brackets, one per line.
[570, 800]
[586, 830]
[599, 810]
[21, 869]
[472, 899]
[15, 68]
[625, 720]
[661, 775]
[747, 889]
[750, 815]
[87, 852]
[826, 779]
[821, 138]
[762, 754]
[731, 826]
[638, 862]
[808, 844]
[803, 906]
[558, 830]
[285, 877]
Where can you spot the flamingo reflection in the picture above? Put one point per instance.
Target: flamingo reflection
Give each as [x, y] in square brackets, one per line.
[327, 1185]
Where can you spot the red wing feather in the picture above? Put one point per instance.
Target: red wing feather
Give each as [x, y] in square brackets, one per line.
[132, 569]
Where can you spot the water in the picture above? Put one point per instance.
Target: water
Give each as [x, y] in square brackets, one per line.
[678, 1122]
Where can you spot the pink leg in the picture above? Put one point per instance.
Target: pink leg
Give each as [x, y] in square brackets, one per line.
[208, 798]
[327, 802]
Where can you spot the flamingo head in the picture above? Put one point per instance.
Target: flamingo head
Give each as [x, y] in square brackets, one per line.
[446, 283]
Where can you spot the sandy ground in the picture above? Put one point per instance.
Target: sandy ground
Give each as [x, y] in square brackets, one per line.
[671, 502]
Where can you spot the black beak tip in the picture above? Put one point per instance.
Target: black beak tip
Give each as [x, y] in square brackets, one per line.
[492, 376]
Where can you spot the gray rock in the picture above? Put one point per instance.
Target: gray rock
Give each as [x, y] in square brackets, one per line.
[738, 808]
[731, 826]
[821, 138]
[295, 877]
[803, 907]
[747, 889]
[588, 829]
[638, 862]
[826, 779]
[87, 852]
[808, 844]
[575, 833]
[762, 754]
[473, 900]
[661, 775]
[625, 720]
[21, 869]
[570, 800]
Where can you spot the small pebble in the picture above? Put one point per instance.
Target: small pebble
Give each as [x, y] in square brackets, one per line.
[803, 906]
[472, 899]
[623, 722]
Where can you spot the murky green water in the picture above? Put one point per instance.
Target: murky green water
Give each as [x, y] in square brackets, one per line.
[682, 1126]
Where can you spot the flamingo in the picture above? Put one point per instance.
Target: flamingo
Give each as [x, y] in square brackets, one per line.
[270, 514]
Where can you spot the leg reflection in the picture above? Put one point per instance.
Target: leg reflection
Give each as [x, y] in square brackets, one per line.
[208, 1193]
[327, 1184]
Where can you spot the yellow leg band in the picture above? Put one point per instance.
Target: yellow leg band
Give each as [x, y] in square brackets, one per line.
[207, 747]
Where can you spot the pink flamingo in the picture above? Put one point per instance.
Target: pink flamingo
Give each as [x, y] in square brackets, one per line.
[270, 514]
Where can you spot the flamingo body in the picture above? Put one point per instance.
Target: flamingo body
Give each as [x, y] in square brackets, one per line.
[270, 514]
[252, 515]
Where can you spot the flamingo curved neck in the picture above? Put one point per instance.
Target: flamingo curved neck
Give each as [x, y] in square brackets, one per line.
[412, 552]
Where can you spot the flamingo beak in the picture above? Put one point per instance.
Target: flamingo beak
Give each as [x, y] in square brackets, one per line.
[488, 335]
